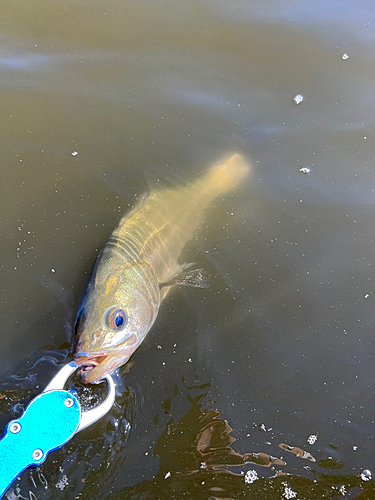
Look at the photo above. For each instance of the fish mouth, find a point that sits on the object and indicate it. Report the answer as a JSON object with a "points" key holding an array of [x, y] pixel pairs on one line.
{"points": [[88, 362], [92, 368]]}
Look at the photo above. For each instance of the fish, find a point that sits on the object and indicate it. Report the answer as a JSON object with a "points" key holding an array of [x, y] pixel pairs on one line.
{"points": [[137, 267]]}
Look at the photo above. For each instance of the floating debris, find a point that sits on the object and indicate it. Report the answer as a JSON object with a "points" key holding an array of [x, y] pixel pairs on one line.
{"points": [[355, 448], [251, 476], [298, 98], [75, 153], [312, 439], [345, 57], [168, 474], [367, 295], [366, 475], [304, 170], [53, 270], [342, 490]]}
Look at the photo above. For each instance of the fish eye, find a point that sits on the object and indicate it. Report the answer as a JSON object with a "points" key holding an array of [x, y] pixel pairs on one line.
{"points": [[116, 318]]}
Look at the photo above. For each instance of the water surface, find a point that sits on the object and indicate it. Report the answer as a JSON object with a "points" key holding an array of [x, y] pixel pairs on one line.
{"points": [[101, 101]]}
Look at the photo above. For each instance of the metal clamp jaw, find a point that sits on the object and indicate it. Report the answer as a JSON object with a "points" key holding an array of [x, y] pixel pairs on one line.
{"points": [[49, 421], [90, 416]]}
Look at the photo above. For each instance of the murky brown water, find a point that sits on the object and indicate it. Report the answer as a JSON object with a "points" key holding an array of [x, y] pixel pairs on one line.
{"points": [[281, 346]]}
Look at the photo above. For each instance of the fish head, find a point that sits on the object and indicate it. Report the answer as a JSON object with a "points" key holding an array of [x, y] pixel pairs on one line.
{"points": [[115, 315]]}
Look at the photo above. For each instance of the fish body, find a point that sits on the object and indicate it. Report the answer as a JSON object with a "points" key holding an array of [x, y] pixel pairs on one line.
{"points": [[131, 274]]}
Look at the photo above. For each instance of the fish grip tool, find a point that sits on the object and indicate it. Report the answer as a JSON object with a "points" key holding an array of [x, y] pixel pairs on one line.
{"points": [[49, 421]]}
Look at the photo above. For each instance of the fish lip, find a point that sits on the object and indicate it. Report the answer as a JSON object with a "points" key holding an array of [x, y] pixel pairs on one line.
{"points": [[91, 361], [88, 362], [93, 369], [83, 359], [108, 352]]}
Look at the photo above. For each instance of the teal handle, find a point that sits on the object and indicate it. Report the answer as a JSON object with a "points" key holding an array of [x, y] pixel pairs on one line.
{"points": [[49, 421]]}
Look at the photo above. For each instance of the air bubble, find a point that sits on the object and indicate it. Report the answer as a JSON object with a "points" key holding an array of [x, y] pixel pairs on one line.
{"points": [[366, 475]]}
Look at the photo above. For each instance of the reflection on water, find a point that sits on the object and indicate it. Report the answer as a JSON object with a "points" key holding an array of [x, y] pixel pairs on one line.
{"points": [[297, 451], [148, 93], [195, 452], [203, 435], [202, 440]]}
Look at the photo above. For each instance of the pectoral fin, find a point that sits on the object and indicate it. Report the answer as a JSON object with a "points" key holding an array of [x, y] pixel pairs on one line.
{"points": [[188, 277]]}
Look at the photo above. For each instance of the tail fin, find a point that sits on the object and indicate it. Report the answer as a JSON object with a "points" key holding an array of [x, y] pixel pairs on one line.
{"points": [[226, 175]]}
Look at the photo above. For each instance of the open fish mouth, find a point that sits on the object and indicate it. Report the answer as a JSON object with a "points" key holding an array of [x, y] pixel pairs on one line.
{"points": [[88, 361], [90, 370]]}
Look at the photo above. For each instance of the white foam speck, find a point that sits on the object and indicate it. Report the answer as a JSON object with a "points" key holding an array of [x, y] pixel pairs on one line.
{"points": [[251, 476], [62, 483], [312, 439], [305, 170], [288, 492]]}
